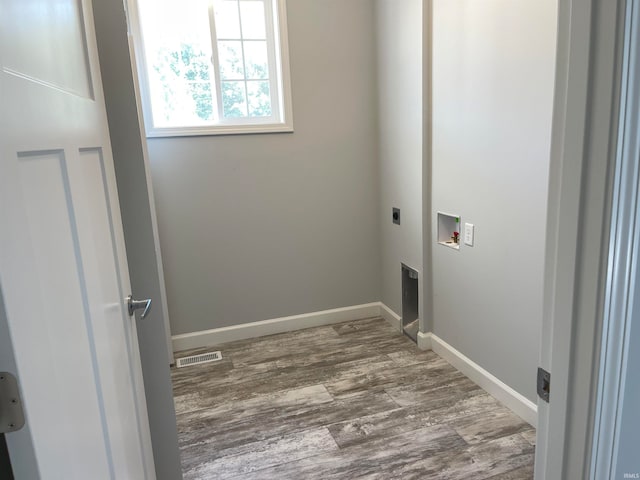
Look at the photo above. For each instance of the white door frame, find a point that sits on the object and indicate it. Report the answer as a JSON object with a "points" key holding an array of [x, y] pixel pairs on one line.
{"points": [[624, 237], [583, 156]]}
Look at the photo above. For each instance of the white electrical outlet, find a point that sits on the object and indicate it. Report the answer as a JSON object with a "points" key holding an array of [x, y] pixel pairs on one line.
{"points": [[468, 234]]}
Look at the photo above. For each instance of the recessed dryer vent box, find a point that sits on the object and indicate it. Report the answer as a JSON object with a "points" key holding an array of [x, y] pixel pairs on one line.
{"points": [[449, 230]]}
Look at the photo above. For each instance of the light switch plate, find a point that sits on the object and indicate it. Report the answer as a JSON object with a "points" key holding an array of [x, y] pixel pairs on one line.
{"points": [[468, 234]]}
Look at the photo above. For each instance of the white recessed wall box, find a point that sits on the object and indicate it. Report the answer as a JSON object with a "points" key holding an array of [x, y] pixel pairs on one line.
{"points": [[449, 230]]}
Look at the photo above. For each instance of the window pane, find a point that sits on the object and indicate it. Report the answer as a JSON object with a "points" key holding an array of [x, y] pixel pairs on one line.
{"points": [[230, 53], [182, 91], [234, 100], [259, 99], [178, 52], [201, 92], [256, 59], [227, 19], [253, 20], [224, 84]]}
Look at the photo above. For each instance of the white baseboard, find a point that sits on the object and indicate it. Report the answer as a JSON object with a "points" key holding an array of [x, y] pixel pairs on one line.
{"points": [[216, 336], [390, 316], [517, 403], [424, 341]]}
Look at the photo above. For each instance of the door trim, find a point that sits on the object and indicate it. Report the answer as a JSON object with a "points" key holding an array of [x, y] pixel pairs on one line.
{"points": [[624, 238], [583, 154]]}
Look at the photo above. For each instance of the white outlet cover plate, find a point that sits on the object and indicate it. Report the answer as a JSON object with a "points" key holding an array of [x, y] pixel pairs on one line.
{"points": [[468, 234]]}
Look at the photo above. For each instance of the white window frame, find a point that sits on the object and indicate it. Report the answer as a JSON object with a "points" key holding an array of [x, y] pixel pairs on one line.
{"points": [[279, 78]]}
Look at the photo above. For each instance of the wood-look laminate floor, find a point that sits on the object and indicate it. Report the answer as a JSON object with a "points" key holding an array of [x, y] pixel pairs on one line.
{"points": [[350, 401]]}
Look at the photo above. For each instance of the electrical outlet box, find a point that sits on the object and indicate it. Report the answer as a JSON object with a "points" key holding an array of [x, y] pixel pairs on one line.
{"points": [[395, 215]]}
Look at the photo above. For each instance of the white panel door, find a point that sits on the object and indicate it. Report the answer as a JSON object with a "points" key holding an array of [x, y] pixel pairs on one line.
{"points": [[63, 270]]}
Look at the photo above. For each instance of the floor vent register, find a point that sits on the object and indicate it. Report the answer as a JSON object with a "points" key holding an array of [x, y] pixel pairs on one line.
{"points": [[198, 359]]}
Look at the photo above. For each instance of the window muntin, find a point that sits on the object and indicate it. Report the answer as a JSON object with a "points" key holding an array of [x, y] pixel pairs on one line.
{"points": [[213, 66]]}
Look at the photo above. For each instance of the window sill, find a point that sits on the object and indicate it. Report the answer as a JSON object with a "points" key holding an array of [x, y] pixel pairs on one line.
{"points": [[219, 130]]}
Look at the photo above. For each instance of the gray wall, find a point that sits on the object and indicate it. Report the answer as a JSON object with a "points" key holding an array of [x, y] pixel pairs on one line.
{"points": [[493, 73], [262, 226], [143, 249], [399, 75]]}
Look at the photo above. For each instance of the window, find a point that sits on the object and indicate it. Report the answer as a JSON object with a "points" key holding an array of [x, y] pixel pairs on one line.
{"points": [[212, 66]]}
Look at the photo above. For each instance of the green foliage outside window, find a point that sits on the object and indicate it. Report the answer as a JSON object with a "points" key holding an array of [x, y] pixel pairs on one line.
{"points": [[185, 82]]}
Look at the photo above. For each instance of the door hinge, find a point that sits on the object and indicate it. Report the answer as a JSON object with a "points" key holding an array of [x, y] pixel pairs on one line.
{"points": [[544, 384], [11, 414]]}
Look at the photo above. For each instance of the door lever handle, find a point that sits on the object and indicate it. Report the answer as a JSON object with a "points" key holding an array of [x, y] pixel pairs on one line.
{"points": [[133, 305]]}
